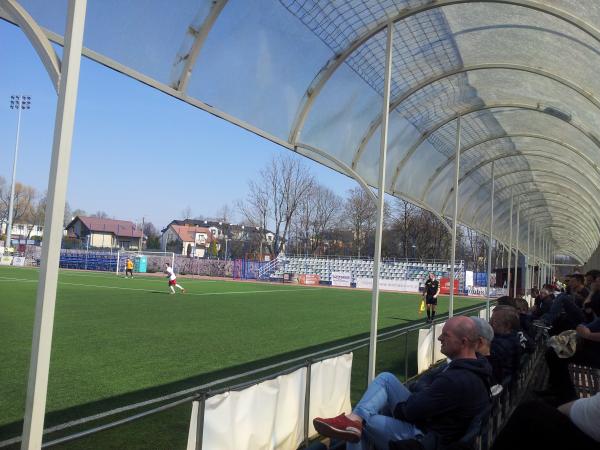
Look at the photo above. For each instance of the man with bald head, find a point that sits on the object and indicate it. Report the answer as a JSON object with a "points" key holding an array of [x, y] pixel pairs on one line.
{"points": [[442, 402]]}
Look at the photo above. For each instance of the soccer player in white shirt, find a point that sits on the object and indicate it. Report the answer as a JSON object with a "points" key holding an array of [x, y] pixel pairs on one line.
{"points": [[173, 280]]}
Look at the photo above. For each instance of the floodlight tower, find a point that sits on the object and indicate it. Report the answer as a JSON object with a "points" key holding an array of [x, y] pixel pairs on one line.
{"points": [[18, 102]]}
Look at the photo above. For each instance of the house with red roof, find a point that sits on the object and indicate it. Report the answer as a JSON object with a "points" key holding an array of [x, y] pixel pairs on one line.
{"points": [[190, 240], [105, 233]]}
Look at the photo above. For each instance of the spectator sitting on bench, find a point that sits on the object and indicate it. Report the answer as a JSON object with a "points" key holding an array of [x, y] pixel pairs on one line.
{"points": [[592, 277], [443, 402], [566, 311], [543, 303], [594, 286], [505, 349], [486, 336], [535, 424], [587, 353], [525, 319]]}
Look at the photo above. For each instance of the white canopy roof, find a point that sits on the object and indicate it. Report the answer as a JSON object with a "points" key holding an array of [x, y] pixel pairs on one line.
{"points": [[308, 75]]}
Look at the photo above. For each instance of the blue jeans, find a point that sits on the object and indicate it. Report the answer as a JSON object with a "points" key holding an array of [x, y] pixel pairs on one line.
{"points": [[376, 407]]}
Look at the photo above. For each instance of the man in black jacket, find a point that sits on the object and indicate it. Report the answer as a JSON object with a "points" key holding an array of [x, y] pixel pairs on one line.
{"points": [[443, 401]]}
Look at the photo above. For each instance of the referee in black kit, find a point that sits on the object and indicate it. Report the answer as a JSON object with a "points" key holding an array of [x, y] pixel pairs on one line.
{"points": [[432, 289]]}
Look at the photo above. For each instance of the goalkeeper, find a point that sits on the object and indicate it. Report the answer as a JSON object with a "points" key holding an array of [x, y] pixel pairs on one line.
{"points": [[129, 268]]}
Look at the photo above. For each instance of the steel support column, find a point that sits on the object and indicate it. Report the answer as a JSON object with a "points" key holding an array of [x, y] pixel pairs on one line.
{"points": [[534, 275], [380, 203], [454, 219], [542, 266], [489, 261], [510, 236], [527, 271], [37, 387], [517, 249]]}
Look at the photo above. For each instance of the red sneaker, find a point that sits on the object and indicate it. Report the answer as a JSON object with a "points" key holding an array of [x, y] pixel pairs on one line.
{"points": [[339, 427]]}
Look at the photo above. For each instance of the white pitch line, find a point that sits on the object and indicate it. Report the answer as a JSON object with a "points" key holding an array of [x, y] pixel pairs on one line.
{"points": [[198, 294], [69, 273]]}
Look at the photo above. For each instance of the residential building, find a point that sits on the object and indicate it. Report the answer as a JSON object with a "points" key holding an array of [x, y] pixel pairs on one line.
{"points": [[105, 233], [23, 231], [186, 239], [227, 236]]}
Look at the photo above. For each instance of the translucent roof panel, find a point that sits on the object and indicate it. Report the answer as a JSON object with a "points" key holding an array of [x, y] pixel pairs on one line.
{"points": [[309, 75]]}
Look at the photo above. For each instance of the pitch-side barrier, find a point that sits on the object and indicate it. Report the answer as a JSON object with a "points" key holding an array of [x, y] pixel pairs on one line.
{"points": [[304, 363]]}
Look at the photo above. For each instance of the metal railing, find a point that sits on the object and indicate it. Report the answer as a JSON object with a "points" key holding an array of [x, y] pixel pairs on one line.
{"points": [[207, 390]]}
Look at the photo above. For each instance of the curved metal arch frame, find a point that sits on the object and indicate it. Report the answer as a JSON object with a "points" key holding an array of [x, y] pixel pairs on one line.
{"points": [[557, 198], [37, 38], [572, 255], [550, 182], [327, 71], [502, 205], [553, 199], [488, 66], [445, 164], [530, 170], [566, 237], [577, 222], [566, 242], [545, 214], [523, 153], [582, 246], [354, 175], [342, 166], [201, 35], [474, 109], [532, 181]]}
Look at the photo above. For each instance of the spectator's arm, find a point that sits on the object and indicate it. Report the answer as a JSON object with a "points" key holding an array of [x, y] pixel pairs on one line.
{"points": [[586, 333], [566, 408], [442, 396]]}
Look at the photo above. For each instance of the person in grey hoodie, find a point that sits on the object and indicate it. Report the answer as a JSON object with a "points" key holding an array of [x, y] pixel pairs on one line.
{"points": [[443, 401]]}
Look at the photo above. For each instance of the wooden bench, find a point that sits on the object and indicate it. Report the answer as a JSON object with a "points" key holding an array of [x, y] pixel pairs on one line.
{"points": [[586, 380]]}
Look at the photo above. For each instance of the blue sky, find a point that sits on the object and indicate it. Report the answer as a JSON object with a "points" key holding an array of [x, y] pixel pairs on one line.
{"points": [[136, 151]]}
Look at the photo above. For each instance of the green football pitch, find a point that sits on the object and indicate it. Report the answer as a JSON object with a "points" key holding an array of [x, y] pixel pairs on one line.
{"points": [[119, 341]]}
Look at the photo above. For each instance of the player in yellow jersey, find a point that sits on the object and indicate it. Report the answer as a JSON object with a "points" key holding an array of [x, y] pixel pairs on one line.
{"points": [[129, 268]]}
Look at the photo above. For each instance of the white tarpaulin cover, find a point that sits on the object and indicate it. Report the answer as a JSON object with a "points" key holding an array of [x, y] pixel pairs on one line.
{"points": [[427, 345], [308, 75], [270, 415]]}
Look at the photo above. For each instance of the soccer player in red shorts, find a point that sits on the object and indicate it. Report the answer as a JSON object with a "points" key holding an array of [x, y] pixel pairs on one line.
{"points": [[173, 280]]}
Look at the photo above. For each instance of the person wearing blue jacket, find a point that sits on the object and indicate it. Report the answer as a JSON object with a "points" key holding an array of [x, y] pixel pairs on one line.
{"points": [[443, 401]]}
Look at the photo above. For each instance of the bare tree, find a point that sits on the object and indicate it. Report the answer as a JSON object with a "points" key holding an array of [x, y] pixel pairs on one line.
{"points": [[225, 213], [360, 212], [186, 213], [78, 212], [36, 216], [100, 214], [327, 206], [274, 198], [24, 200]]}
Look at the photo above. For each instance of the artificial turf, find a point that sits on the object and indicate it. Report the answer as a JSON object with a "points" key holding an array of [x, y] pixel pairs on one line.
{"points": [[118, 341]]}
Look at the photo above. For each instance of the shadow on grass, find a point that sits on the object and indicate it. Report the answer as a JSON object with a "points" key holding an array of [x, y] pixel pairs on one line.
{"points": [[397, 355]]}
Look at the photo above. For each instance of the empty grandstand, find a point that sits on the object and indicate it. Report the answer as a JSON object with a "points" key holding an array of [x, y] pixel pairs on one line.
{"points": [[411, 270]]}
